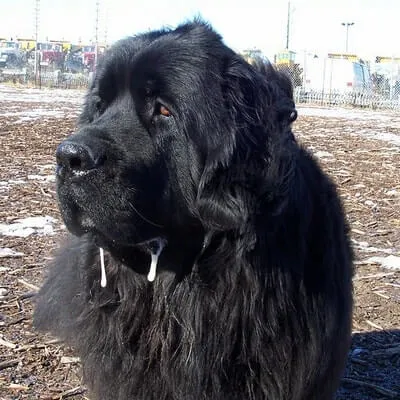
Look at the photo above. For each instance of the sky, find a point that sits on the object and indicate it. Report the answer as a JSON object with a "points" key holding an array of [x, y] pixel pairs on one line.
{"points": [[315, 27]]}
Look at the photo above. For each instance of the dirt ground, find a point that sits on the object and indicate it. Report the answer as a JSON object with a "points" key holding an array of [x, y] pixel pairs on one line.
{"points": [[353, 146]]}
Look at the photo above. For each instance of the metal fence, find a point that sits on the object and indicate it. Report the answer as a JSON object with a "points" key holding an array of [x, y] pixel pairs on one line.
{"points": [[61, 80], [51, 79], [323, 81], [345, 82]]}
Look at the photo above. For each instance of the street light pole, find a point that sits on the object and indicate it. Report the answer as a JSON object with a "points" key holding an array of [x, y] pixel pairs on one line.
{"points": [[347, 25], [288, 27]]}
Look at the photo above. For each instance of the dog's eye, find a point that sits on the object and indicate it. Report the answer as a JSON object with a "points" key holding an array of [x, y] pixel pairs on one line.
{"points": [[162, 110]]}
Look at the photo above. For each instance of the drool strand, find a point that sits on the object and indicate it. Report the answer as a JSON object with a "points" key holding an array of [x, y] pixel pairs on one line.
{"points": [[155, 246], [103, 281]]}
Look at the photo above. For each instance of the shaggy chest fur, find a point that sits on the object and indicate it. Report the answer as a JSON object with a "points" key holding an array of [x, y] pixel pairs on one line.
{"points": [[232, 337]]}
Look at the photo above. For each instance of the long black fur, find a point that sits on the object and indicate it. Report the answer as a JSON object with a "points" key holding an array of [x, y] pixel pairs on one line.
{"points": [[253, 294]]}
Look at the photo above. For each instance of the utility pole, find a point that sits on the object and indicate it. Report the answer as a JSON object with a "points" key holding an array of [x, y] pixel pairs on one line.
{"points": [[96, 54], [288, 26], [37, 14], [347, 25], [106, 5]]}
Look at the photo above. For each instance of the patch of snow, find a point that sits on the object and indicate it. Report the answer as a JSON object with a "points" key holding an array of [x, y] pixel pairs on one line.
{"points": [[4, 185], [359, 186], [377, 125], [389, 262], [30, 95], [47, 178], [28, 226], [12, 182], [393, 192], [47, 166], [370, 203], [384, 136], [346, 113], [323, 154], [6, 252], [365, 247], [33, 114]]}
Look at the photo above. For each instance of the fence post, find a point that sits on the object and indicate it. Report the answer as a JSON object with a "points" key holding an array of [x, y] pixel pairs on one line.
{"points": [[391, 88], [323, 81]]}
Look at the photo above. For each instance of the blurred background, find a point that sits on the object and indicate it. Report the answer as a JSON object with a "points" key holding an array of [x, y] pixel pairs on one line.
{"points": [[336, 52]]}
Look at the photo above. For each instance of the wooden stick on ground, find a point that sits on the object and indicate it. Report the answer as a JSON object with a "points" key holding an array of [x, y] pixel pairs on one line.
{"points": [[8, 364], [69, 393], [386, 392]]}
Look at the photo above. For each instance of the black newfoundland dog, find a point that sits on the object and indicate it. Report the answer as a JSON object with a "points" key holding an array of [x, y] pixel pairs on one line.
{"points": [[209, 255]]}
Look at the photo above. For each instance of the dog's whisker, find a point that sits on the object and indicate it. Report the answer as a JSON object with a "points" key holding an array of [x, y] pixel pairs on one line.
{"points": [[144, 218]]}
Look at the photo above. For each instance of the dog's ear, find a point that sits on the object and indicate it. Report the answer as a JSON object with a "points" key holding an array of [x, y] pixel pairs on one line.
{"points": [[280, 86], [259, 109], [220, 206]]}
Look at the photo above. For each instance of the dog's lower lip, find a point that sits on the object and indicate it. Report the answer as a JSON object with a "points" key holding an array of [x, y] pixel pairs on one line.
{"points": [[63, 174], [81, 172]]}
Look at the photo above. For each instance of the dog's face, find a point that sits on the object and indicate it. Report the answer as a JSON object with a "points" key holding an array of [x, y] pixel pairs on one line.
{"points": [[159, 124]]}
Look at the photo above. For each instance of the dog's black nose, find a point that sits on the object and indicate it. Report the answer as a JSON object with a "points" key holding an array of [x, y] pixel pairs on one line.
{"points": [[75, 157]]}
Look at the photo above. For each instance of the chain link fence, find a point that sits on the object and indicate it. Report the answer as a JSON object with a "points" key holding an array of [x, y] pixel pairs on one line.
{"points": [[345, 81], [336, 79], [50, 79]]}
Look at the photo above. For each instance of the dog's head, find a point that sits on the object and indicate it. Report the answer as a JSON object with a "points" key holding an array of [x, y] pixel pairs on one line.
{"points": [[176, 129]]}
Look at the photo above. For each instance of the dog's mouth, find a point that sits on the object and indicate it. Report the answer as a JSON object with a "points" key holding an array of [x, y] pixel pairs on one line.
{"points": [[79, 223], [83, 213]]}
